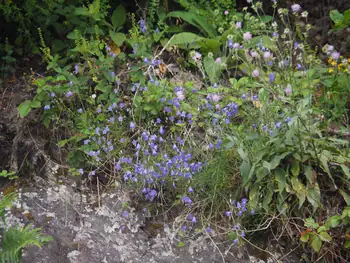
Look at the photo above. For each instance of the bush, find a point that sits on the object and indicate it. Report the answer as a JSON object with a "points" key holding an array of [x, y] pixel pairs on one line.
{"points": [[252, 142]]}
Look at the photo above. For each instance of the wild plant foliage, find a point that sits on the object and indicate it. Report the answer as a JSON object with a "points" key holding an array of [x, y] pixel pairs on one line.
{"points": [[258, 134]]}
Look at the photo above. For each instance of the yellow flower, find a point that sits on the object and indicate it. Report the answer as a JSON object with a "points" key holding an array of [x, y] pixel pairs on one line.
{"points": [[330, 60], [334, 63], [330, 70]]}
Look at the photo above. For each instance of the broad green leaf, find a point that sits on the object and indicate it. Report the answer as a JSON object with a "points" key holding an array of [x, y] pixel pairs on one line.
{"points": [[245, 169], [295, 168], [24, 108], [209, 45], [118, 38], [336, 16], [333, 221], [267, 165], [212, 69], [81, 11], [184, 39], [195, 20], [300, 190], [263, 96], [304, 238], [308, 173], [268, 197], [118, 16], [254, 196], [347, 244], [313, 195], [322, 229], [228, 143], [310, 223], [316, 243], [243, 155], [35, 103], [266, 19], [345, 170], [325, 236], [277, 159], [325, 158], [280, 177]]}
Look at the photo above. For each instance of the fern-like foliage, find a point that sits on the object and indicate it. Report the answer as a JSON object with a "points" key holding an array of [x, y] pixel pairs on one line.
{"points": [[6, 202], [15, 239]]}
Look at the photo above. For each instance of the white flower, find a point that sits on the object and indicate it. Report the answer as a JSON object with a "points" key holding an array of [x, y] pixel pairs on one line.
{"points": [[267, 55], [254, 54], [93, 96], [255, 73], [296, 8], [215, 97], [304, 14], [180, 95], [247, 36], [288, 90]]}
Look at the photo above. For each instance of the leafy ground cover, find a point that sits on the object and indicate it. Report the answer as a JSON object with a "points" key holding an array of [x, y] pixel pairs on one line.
{"points": [[258, 145]]}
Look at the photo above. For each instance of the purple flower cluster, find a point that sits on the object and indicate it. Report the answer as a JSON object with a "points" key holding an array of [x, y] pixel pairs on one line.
{"points": [[143, 26], [240, 207]]}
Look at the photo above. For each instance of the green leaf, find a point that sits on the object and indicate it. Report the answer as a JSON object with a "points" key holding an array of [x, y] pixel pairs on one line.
{"points": [[242, 154], [232, 235], [280, 177], [310, 223], [347, 244], [314, 196], [333, 221], [325, 158], [300, 190], [316, 243], [308, 173], [268, 197], [183, 39], [118, 16], [24, 108], [277, 159], [245, 171], [228, 143], [336, 16], [195, 20], [345, 170], [295, 169], [81, 11], [35, 103], [118, 38], [212, 69], [180, 244], [209, 45], [325, 236], [322, 229], [266, 19], [254, 196], [304, 238], [345, 196]]}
